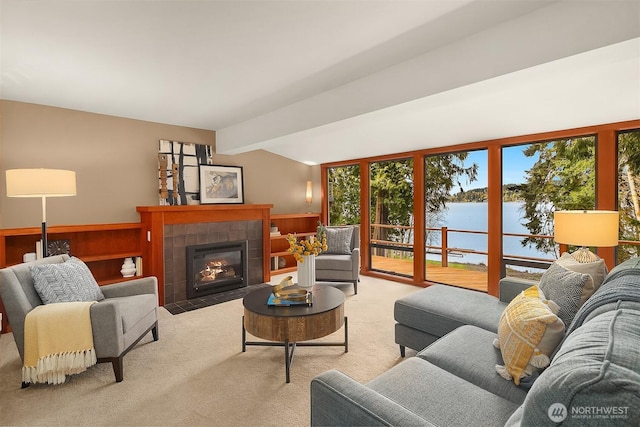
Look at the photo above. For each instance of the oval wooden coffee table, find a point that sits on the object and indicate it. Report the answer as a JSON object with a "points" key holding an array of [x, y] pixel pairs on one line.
{"points": [[288, 326]]}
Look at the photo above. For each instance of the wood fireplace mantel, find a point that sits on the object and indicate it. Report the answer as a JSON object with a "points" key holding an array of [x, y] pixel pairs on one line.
{"points": [[155, 218]]}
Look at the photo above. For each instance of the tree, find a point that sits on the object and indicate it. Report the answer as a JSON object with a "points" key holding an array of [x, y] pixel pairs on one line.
{"points": [[563, 178], [442, 174], [628, 188], [344, 195]]}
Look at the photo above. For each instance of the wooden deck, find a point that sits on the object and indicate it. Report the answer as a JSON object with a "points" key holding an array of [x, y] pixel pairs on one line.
{"points": [[450, 275]]}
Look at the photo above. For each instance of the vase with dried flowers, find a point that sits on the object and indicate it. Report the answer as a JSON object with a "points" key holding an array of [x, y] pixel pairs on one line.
{"points": [[304, 251]]}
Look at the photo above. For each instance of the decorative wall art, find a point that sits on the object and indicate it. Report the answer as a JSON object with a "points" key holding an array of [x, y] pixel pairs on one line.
{"points": [[178, 171], [221, 184]]}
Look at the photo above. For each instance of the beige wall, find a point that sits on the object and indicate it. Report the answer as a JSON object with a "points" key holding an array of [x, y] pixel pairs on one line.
{"points": [[115, 160]]}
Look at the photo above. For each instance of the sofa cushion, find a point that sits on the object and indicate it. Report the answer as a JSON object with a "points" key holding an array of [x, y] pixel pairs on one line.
{"points": [[439, 309], [594, 378], [467, 353], [565, 288], [338, 240], [334, 262], [621, 289], [427, 390], [65, 282], [528, 333]]}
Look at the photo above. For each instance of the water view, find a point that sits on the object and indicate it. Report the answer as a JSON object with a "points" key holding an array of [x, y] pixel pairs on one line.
{"points": [[473, 217]]}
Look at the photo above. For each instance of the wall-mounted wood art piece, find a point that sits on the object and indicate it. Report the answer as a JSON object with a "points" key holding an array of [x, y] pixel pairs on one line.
{"points": [[178, 163]]}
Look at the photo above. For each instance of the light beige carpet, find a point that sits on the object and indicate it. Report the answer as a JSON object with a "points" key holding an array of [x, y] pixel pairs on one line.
{"points": [[196, 374]]}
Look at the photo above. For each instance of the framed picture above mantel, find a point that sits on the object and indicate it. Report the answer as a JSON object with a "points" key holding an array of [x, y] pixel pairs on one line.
{"points": [[221, 184]]}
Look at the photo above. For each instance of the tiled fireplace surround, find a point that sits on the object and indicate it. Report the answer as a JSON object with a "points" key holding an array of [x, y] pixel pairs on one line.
{"points": [[178, 236], [170, 229]]}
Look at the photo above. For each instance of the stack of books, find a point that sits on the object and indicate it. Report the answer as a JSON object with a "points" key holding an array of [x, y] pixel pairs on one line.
{"points": [[274, 301]]}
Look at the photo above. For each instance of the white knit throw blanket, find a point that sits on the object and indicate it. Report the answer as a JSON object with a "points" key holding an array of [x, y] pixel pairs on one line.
{"points": [[58, 341]]}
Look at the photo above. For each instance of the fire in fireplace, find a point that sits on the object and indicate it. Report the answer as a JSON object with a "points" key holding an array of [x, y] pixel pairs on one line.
{"points": [[216, 267]]}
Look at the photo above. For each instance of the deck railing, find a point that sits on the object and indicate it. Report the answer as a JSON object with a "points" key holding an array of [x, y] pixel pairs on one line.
{"points": [[445, 250]]}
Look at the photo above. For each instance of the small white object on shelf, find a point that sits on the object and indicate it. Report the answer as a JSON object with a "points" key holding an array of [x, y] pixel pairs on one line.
{"points": [[128, 268]]}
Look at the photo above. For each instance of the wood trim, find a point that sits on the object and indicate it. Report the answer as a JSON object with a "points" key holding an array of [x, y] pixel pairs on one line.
{"points": [[295, 215], [494, 221], [607, 182], [266, 245], [25, 231], [365, 215], [324, 192], [419, 251]]}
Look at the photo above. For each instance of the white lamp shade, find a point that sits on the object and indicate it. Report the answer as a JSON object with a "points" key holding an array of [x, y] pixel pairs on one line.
{"points": [[40, 183], [586, 228]]}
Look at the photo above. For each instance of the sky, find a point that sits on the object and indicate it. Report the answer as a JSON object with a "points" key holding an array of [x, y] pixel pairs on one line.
{"points": [[514, 165]]}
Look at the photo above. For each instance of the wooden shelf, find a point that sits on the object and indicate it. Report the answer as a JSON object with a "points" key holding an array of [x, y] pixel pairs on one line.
{"points": [[103, 247], [117, 280], [302, 225], [120, 256], [284, 236]]}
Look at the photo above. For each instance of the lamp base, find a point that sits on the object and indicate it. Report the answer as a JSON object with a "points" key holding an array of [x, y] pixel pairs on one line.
{"points": [[584, 256], [45, 244]]}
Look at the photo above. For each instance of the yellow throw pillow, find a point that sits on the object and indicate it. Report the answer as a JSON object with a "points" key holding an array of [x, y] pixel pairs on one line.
{"points": [[529, 331]]}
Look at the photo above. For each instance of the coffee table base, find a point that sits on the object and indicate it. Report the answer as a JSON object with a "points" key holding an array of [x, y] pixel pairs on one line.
{"points": [[290, 347]]}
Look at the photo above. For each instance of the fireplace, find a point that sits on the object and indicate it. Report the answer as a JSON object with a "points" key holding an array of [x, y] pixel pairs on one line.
{"points": [[216, 267]]}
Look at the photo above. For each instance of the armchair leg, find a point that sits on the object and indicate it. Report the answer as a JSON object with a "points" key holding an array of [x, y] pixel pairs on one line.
{"points": [[154, 332], [401, 351], [355, 287], [118, 368]]}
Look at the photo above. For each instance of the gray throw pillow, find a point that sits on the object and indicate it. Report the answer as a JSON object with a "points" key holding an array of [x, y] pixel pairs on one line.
{"points": [[338, 240], [565, 288], [65, 282], [597, 270]]}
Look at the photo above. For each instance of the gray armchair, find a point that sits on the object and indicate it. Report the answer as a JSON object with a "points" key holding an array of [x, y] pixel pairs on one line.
{"points": [[343, 266], [128, 312]]}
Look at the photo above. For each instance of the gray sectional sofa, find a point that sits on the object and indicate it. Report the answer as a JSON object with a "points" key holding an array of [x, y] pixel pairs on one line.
{"points": [[593, 378]]}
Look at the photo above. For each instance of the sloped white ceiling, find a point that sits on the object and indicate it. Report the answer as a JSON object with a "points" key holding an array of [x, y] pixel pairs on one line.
{"points": [[323, 81]]}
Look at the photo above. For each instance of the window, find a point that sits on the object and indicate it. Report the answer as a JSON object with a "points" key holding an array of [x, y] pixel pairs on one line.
{"points": [[539, 179], [391, 208], [538, 175], [455, 194]]}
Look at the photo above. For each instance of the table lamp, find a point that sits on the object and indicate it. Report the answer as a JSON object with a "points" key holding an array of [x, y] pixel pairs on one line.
{"points": [[41, 183], [584, 229]]}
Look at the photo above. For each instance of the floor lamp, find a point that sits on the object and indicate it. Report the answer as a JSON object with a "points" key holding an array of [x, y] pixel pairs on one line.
{"points": [[584, 229], [41, 183]]}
